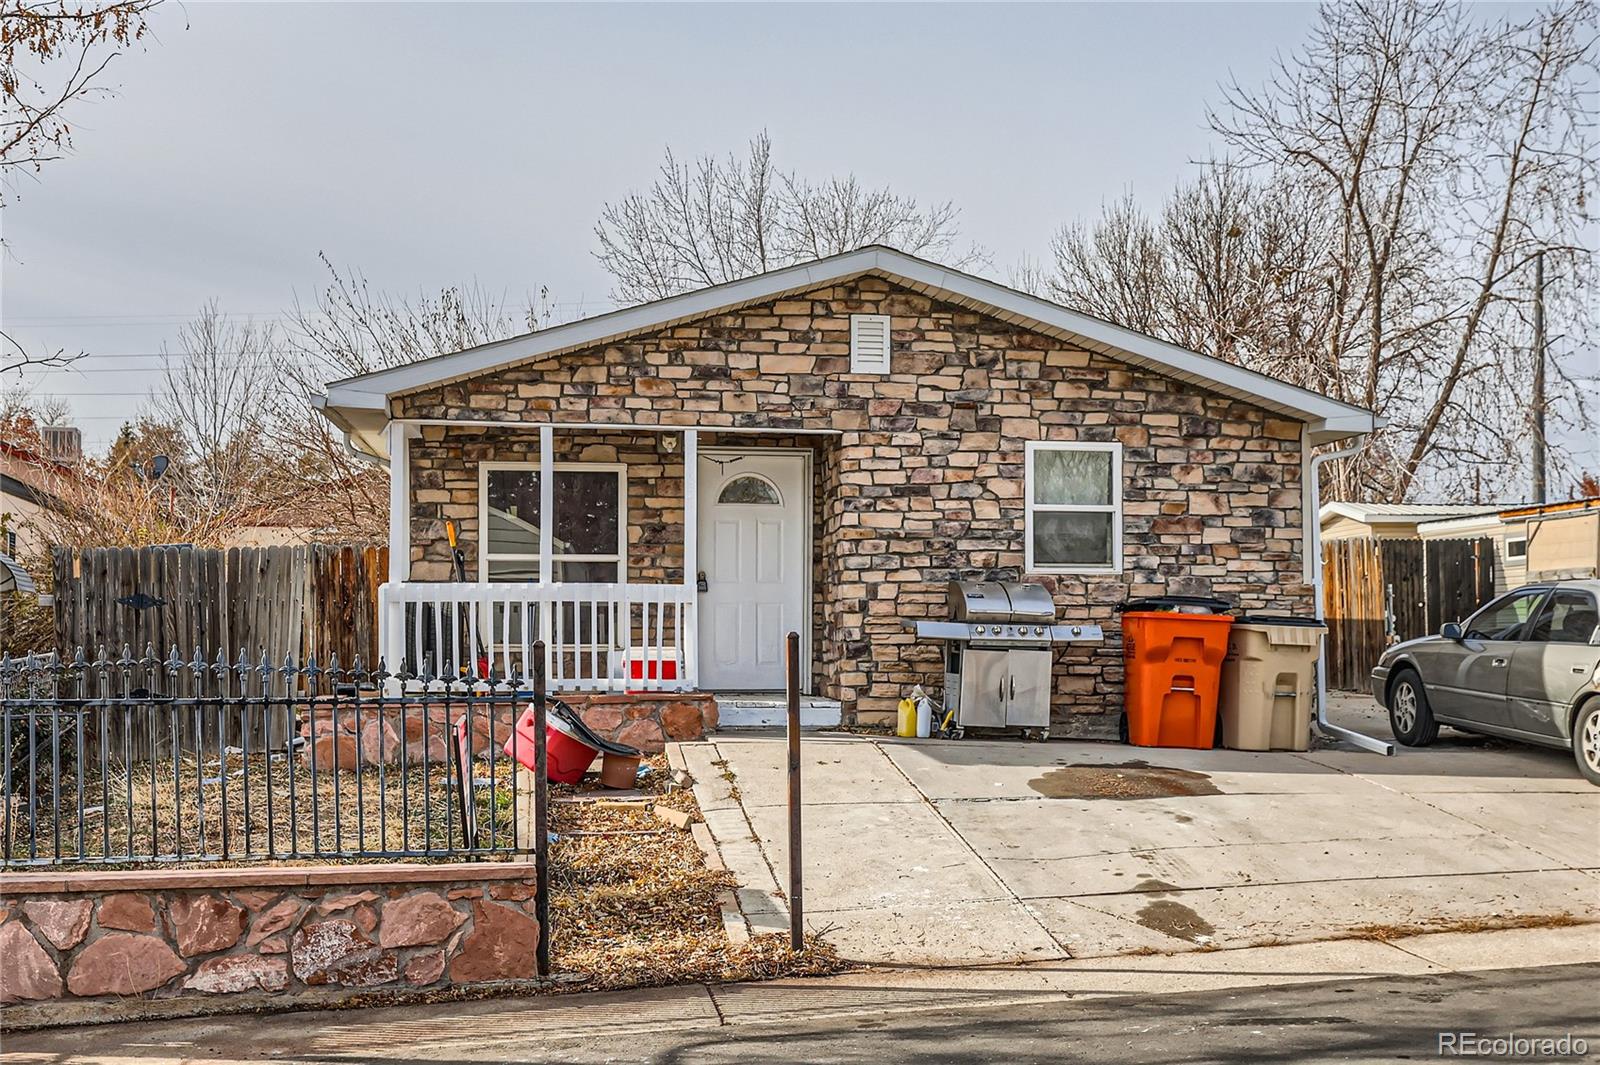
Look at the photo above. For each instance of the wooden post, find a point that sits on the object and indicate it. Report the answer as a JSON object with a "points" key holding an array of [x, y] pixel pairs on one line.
{"points": [[797, 939], [541, 816]]}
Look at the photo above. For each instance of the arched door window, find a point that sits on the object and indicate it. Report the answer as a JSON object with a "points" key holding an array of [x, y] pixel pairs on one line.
{"points": [[750, 488]]}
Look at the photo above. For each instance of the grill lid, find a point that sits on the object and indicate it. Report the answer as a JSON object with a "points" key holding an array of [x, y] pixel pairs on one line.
{"points": [[986, 601]]}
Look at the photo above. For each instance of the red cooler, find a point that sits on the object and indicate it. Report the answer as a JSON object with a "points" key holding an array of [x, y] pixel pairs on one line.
{"points": [[567, 757]]}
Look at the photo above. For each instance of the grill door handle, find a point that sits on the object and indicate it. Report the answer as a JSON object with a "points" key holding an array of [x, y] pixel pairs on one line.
{"points": [[1013, 686]]}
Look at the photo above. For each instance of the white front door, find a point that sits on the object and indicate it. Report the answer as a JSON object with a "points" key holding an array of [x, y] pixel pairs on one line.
{"points": [[754, 552]]}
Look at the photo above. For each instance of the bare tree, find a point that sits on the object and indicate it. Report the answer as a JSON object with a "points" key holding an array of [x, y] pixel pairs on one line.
{"points": [[1448, 153], [1371, 235], [349, 329], [14, 355], [50, 55], [219, 394], [718, 220]]}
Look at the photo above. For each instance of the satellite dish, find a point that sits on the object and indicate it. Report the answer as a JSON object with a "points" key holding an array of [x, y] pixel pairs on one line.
{"points": [[156, 467]]}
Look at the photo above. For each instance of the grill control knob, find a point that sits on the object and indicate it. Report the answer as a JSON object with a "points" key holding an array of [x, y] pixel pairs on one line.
{"points": [[1038, 630], [980, 630]]}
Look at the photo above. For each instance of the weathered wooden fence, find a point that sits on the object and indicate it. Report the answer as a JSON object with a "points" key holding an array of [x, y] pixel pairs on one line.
{"points": [[1460, 575], [1379, 592], [311, 600]]}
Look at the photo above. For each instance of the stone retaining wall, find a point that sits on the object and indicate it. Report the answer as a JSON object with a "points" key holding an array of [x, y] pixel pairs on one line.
{"points": [[347, 736], [100, 945], [647, 720]]}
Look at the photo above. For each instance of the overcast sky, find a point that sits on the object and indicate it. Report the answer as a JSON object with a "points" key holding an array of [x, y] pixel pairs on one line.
{"points": [[429, 145]]}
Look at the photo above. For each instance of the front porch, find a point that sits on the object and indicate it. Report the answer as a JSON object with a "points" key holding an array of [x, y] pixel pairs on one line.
{"points": [[630, 551]]}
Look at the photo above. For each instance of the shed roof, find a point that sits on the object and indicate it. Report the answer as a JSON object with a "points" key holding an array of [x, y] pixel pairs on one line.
{"points": [[360, 404], [1400, 512]]}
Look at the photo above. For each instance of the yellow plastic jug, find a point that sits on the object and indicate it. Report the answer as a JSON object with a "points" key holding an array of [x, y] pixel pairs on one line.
{"points": [[906, 724]]}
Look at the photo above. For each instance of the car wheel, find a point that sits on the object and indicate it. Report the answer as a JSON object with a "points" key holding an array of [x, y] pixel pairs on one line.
{"points": [[1586, 741], [1409, 716]]}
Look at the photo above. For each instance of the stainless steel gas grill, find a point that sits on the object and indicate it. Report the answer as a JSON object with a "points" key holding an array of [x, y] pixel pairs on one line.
{"points": [[999, 645]]}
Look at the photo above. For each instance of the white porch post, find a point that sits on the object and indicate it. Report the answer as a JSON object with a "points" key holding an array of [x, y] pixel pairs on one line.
{"points": [[547, 521], [392, 638], [689, 639]]}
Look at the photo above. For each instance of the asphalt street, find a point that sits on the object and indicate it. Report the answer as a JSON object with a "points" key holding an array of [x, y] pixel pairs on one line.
{"points": [[1362, 1020]]}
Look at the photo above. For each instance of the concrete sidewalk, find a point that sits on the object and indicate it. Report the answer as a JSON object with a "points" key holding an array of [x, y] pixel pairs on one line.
{"points": [[939, 853], [619, 1025]]}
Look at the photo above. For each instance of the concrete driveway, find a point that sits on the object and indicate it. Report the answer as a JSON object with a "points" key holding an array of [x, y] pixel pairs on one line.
{"points": [[955, 852]]}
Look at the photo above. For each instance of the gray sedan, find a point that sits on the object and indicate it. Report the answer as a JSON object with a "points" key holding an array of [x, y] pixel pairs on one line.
{"points": [[1525, 667]]}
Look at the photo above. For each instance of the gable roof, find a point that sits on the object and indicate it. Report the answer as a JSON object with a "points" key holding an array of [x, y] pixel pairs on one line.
{"points": [[360, 404]]}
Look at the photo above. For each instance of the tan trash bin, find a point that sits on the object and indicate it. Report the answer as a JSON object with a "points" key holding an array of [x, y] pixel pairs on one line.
{"points": [[1268, 682]]}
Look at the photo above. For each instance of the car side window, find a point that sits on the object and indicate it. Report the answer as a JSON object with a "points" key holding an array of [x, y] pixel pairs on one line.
{"points": [[1569, 617], [1503, 618]]}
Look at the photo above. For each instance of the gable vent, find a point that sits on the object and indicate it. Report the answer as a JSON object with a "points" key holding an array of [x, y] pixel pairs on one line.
{"points": [[869, 343]]}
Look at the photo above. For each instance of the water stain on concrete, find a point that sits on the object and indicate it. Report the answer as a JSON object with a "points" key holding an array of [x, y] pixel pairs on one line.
{"points": [[1149, 885], [1122, 780], [1176, 920]]}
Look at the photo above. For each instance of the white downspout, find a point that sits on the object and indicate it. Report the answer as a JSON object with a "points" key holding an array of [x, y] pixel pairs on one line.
{"points": [[1314, 526]]}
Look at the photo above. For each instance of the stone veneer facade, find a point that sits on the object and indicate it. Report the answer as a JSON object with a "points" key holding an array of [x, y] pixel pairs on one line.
{"points": [[110, 945], [923, 482]]}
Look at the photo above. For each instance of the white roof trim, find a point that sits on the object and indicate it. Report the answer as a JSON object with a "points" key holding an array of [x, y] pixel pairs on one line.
{"points": [[1402, 512], [357, 399]]}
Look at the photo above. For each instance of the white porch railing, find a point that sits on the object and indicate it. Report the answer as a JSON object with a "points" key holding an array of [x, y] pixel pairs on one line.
{"points": [[598, 637]]}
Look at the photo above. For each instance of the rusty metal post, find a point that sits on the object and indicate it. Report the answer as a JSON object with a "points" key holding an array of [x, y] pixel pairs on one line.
{"points": [[541, 815], [796, 903]]}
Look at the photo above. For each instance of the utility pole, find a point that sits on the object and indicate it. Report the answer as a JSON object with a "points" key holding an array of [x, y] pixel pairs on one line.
{"points": [[1538, 379]]}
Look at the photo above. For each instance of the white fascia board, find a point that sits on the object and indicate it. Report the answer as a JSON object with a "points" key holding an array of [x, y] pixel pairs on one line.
{"points": [[601, 328], [1341, 509], [1328, 419], [1236, 380]]}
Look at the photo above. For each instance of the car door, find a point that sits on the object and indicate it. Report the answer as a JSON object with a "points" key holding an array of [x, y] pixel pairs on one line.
{"points": [[1470, 682], [1555, 658]]}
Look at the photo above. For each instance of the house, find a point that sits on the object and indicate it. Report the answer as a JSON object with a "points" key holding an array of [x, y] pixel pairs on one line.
{"points": [[663, 492], [1555, 540], [1392, 521], [26, 477], [1532, 542]]}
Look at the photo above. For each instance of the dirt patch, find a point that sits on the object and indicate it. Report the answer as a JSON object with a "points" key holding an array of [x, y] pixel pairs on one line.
{"points": [[633, 904], [1122, 780], [1176, 920], [1383, 933]]}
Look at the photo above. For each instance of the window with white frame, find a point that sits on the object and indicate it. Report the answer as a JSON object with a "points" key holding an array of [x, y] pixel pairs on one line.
{"points": [[1074, 507], [1516, 547], [588, 529], [588, 534]]}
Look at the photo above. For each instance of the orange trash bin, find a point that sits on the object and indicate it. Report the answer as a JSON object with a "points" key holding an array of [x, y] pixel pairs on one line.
{"points": [[1172, 651]]}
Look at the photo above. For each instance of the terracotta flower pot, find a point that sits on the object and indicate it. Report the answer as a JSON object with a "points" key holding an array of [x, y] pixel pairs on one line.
{"points": [[619, 770]]}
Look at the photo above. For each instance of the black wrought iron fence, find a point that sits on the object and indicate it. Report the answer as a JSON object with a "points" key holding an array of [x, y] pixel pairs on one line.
{"points": [[136, 760]]}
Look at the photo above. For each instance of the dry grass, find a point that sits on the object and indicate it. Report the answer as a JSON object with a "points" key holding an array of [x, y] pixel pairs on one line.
{"points": [[200, 813], [641, 910]]}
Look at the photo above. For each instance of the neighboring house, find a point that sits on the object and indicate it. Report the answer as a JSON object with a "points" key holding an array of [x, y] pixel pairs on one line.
{"points": [[1556, 540], [1392, 521], [1534, 542], [664, 491], [25, 475]]}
